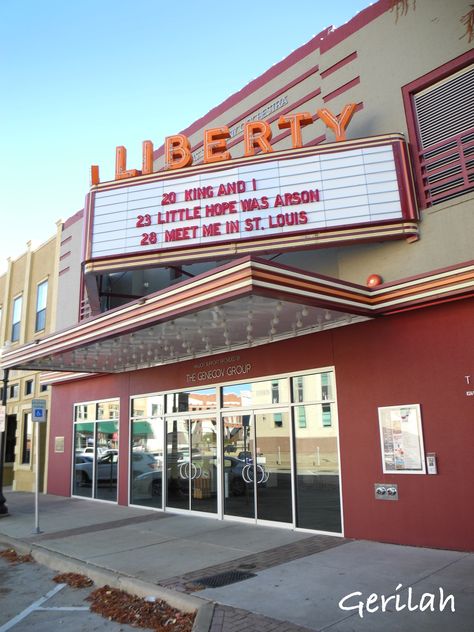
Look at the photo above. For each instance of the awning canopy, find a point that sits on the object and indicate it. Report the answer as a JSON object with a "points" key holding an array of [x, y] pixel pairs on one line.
{"points": [[246, 303]]}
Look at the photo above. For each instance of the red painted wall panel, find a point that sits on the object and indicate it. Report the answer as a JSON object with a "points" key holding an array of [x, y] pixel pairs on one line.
{"points": [[420, 357]]}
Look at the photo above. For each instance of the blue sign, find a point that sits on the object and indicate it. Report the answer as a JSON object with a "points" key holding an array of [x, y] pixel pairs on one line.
{"points": [[38, 410]]}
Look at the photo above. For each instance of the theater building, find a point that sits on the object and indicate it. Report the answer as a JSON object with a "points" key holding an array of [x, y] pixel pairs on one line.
{"points": [[274, 310]]}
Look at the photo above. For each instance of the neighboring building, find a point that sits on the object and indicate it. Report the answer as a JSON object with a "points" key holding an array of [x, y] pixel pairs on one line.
{"points": [[28, 294], [285, 337], [39, 294]]}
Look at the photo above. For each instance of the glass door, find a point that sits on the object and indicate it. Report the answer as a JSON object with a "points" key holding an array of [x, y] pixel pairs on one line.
{"points": [[177, 463], [238, 460], [257, 465], [203, 464], [192, 463]]}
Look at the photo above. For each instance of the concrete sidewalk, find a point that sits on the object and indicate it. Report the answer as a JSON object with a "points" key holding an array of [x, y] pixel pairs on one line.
{"points": [[295, 580]]}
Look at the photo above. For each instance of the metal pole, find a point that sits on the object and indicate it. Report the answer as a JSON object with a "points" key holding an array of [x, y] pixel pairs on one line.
{"points": [[37, 460], [3, 507]]}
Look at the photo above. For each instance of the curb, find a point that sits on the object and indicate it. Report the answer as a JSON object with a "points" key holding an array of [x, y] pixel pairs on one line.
{"points": [[63, 563]]}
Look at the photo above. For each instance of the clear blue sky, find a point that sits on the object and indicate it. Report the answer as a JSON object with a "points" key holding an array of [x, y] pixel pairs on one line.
{"points": [[80, 77]]}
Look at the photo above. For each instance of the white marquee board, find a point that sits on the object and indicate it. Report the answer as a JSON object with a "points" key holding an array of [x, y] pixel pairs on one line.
{"points": [[353, 187]]}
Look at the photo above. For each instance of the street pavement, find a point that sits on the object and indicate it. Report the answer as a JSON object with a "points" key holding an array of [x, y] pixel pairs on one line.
{"points": [[297, 581], [31, 600]]}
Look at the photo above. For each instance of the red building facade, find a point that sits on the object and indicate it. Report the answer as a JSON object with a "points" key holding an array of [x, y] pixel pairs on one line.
{"points": [[282, 335]]}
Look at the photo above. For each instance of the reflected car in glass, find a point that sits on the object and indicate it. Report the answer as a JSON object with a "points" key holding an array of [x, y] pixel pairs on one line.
{"points": [[106, 468]]}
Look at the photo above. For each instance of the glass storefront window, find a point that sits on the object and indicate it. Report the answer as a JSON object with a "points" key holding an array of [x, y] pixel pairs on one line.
{"points": [[106, 465], [146, 460], [277, 460], [96, 454], [255, 394], [83, 459], [83, 412], [107, 410], [317, 469], [152, 406], [192, 401], [315, 387]]}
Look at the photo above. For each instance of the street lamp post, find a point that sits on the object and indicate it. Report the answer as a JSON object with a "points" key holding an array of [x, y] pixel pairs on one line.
{"points": [[3, 507]]}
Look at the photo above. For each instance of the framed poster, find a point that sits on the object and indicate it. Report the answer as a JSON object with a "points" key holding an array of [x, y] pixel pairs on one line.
{"points": [[401, 439]]}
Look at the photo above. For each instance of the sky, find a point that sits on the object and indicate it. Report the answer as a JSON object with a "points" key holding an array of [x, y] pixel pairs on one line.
{"points": [[80, 77]]}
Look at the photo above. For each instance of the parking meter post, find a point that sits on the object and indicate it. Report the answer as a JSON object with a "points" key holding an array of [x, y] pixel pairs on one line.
{"points": [[3, 506]]}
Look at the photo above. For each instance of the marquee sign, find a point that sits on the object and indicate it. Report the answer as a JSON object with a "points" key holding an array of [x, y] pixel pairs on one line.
{"points": [[331, 187]]}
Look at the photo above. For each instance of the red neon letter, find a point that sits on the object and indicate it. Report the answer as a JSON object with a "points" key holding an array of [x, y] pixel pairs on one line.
{"points": [[215, 145], [147, 159], [257, 134], [177, 152], [121, 165], [295, 122], [338, 123]]}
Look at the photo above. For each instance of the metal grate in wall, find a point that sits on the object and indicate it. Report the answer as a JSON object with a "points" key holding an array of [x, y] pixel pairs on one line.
{"points": [[445, 118], [446, 108]]}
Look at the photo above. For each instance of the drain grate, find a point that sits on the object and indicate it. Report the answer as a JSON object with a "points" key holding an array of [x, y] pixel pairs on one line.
{"points": [[224, 579]]}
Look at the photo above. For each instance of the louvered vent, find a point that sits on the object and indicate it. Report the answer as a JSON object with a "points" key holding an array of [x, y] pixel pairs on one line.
{"points": [[445, 117], [446, 108]]}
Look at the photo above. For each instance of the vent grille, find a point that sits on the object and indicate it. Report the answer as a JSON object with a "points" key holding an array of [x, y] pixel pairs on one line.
{"points": [[445, 119], [446, 108]]}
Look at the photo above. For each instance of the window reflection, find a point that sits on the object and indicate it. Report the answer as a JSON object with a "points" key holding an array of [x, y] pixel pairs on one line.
{"points": [[189, 401], [255, 394], [96, 441], [152, 406], [146, 462], [276, 443], [317, 468], [314, 387]]}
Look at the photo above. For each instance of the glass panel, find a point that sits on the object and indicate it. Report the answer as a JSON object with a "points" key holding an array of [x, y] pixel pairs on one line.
{"points": [[239, 498], [148, 406], [83, 459], [255, 394], [189, 401], [16, 318], [85, 412], [108, 410], [106, 464], [315, 387], [317, 470], [203, 468], [41, 298], [146, 469], [178, 463], [273, 466]]}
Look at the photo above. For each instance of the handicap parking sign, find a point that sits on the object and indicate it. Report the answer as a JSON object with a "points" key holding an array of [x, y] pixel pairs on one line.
{"points": [[38, 409]]}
